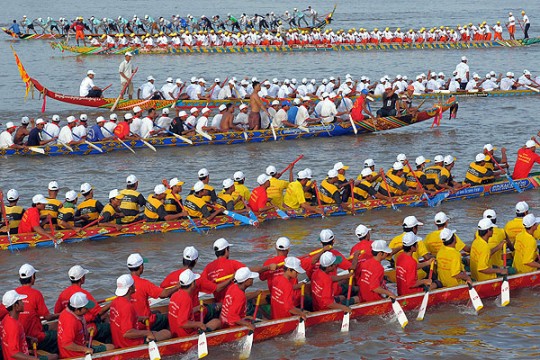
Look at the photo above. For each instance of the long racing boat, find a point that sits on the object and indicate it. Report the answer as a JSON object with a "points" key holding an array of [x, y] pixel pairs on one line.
{"points": [[34, 240]]}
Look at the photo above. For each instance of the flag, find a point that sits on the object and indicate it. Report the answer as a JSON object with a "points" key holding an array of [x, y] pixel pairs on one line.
{"points": [[24, 75]]}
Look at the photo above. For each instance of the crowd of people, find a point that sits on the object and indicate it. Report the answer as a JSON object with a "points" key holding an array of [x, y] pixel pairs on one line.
{"points": [[88, 326]]}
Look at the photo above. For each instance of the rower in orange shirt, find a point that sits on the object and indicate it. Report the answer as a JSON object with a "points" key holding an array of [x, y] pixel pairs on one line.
{"points": [[362, 247], [283, 301], [234, 311], [372, 285], [526, 158], [407, 266]]}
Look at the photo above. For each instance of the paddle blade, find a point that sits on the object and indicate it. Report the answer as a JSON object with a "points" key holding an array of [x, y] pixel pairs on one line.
{"points": [[202, 346], [345, 323], [400, 314], [153, 351], [241, 218], [273, 132], [245, 135], [475, 299], [300, 336], [514, 184], [505, 292], [184, 139], [150, 146], [436, 200], [282, 214], [37, 150], [423, 307], [246, 349], [353, 125], [88, 357]]}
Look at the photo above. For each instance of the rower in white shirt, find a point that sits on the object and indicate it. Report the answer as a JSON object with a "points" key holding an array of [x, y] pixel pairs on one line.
{"points": [[474, 83], [163, 122], [216, 89], [52, 129], [509, 82], [202, 122], [328, 109], [489, 84], [66, 136], [168, 88], [108, 128], [80, 131], [147, 124], [432, 85]]}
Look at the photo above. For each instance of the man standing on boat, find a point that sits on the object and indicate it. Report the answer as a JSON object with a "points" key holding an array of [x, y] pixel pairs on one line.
{"points": [[511, 26], [126, 71], [462, 70], [526, 24], [256, 104]]}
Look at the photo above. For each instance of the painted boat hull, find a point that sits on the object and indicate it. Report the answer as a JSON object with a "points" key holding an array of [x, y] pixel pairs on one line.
{"points": [[33, 240]]}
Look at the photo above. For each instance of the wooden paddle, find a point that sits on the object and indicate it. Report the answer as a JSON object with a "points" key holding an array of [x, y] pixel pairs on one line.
{"points": [[383, 175], [124, 89], [400, 314], [153, 350], [346, 316], [146, 143], [352, 199], [37, 150], [89, 143], [278, 175], [475, 298], [6, 221], [89, 356], [53, 234], [317, 195], [423, 306], [505, 287], [246, 350], [350, 117], [166, 183], [508, 177], [424, 194], [180, 137], [119, 140], [202, 345]]}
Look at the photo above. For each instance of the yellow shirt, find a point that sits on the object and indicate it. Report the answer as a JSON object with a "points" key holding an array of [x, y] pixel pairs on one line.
{"points": [[294, 196], [449, 265], [243, 191], [434, 243], [275, 191], [497, 257], [480, 260], [514, 227], [525, 252], [421, 250]]}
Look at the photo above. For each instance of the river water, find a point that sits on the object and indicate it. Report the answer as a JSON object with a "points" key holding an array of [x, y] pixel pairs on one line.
{"points": [[449, 331]]}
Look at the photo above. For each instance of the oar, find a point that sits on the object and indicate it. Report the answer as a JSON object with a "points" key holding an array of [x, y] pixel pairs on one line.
{"points": [[223, 278], [318, 198], [532, 88], [352, 199], [37, 150], [282, 214], [146, 143], [400, 314], [388, 189], [423, 307], [505, 287], [34, 348], [243, 219], [120, 140], [60, 141], [153, 350], [289, 166], [346, 316], [202, 345], [272, 127], [204, 134], [350, 117], [301, 329], [123, 89], [89, 143], [184, 139], [475, 299], [508, 177], [166, 183], [251, 213], [246, 350], [6, 221], [70, 234], [51, 226], [424, 195], [89, 356]]}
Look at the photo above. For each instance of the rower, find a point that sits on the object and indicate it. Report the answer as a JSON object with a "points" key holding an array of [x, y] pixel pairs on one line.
{"points": [[148, 91], [124, 321], [77, 277], [202, 122], [481, 267], [526, 157], [294, 196], [449, 162], [66, 134], [36, 136], [277, 186], [66, 214], [87, 88], [22, 131], [154, 209], [240, 122], [390, 102], [342, 183], [478, 173], [362, 247], [410, 224], [284, 301], [418, 174], [204, 177], [80, 131], [450, 268], [515, 226], [179, 126], [489, 150], [111, 212], [196, 205], [233, 312], [89, 209], [433, 240], [181, 316], [281, 118], [144, 289], [526, 254], [225, 198], [14, 212], [498, 235], [132, 200], [30, 221], [407, 268], [174, 196], [241, 191], [258, 200], [371, 282], [147, 124], [329, 193], [96, 132], [437, 175], [395, 183], [122, 130], [163, 123], [6, 137], [283, 244], [35, 310], [361, 107]]}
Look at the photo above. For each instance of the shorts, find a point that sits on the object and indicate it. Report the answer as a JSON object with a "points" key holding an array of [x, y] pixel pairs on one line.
{"points": [[79, 34], [161, 322], [129, 89], [49, 343], [254, 120]]}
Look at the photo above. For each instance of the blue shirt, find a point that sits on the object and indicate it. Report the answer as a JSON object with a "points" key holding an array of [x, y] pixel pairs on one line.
{"points": [[291, 114], [95, 134], [15, 28]]}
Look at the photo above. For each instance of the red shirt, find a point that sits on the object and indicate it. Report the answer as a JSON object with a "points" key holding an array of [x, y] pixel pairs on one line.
{"points": [[144, 289], [365, 246], [34, 308], [357, 109], [371, 277], [121, 130], [202, 285], [63, 301], [70, 330], [234, 306], [123, 318], [270, 275], [13, 338], [180, 311], [29, 219], [406, 275], [3, 312], [258, 198], [321, 290], [524, 163], [344, 265], [282, 297], [219, 268]]}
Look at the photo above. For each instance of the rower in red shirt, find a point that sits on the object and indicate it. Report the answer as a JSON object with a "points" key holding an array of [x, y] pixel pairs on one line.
{"points": [[526, 158], [372, 285], [34, 310], [258, 201], [322, 289], [145, 289], [181, 315], [235, 300], [362, 247], [30, 221], [407, 266], [124, 320], [283, 303], [73, 333], [283, 245], [77, 276]]}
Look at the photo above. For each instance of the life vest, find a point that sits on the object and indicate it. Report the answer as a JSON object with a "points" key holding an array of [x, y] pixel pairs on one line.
{"points": [[360, 192], [51, 209], [434, 174], [66, 214], [411, 179], [194, 206], [129, 205], [14, 215], [89, 207], [170, 203], [225, 201], [151, 208], [476, 174], [326, 195], [394, 182]]}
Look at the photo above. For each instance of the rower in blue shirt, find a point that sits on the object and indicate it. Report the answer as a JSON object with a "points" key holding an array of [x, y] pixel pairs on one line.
{"points": [[293, 110], [15, 28], [95, 133]]}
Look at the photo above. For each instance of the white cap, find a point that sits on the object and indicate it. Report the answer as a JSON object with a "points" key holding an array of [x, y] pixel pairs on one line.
{"points": [[275, 80], [529, 221], [137, 109], [297, 101], [114, 193], [86, 188], [227, 183], [71, 195], [361, 231], [222, 107], [77, 272], [26, 271], [421, 160], [175, 181], [159, 189], [489, 214], [446, 234], [190, 253], [202, 80], [411, 221], [366, 172], [283, 243], [221, 244], [369, 163], [448, 159], [380, 245], [193, 110], [463, 58], [339, 166], [275, 102], [134, 260], [169, 79], [182, 113], [90, 72], [327, 259], [438, 159], [522, 207], [325, 95], [295, 264], [441, 218], [99, 119], [526, 72], [410, 239], [509, 73], [128, 116], [397, 166], [83, 117], [332, 173], [12, 195], [199, 185], [11, 297], [261, 179], [271, 170], [239, 176], [480, 157], [55, 118], [243, 274], [123, 283], [203, 173], [205, 110], [326, 235], [187, 277], [129, 53], [53, 185], [242, 107], [401, 157], [486, 224], [131, 179], [149, 78], [530, 144], [165, 111], [25, 120], [39, 199], [178, 81], [302, 175], [40, 121], [80, 300]]}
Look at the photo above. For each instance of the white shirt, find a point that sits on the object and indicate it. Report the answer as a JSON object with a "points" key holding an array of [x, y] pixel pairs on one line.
{"points": [[453, 86], [86, 85], [147, 90], [216, 120], [79, 132], [196, 90], [433, 85], [301, 116], [525, 19], [147, 125], [65, 136], [168, 88], [125, 68], [471, 85], [507, 83], [489, 85], [273, 91], [135, 126], [6, 141], [379, 89], [462, 70], [328, 110], [191, 121], [164, 122], [225, 93], [241, 119], [524, 81], [202, 122], [280, 116], [215, 92], [109, 125], [302, 90], [52, 129], [419, 87]]}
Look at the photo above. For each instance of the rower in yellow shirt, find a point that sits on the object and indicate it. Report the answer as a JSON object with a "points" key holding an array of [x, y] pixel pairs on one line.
{"points": [[277, 186], [433, 240], [450, 269], [515, 226], [526, 251], [481, 267], [498, 236], [294, 196], [240, 190]]}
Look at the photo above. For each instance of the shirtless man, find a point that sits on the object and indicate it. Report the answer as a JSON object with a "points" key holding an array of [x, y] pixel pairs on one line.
{"points": [[256, 106], [227, 120], [22, 131]]}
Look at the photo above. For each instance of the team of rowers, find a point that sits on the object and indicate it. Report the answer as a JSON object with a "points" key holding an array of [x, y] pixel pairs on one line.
{"points": [[87, 326], [302, 193]]}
